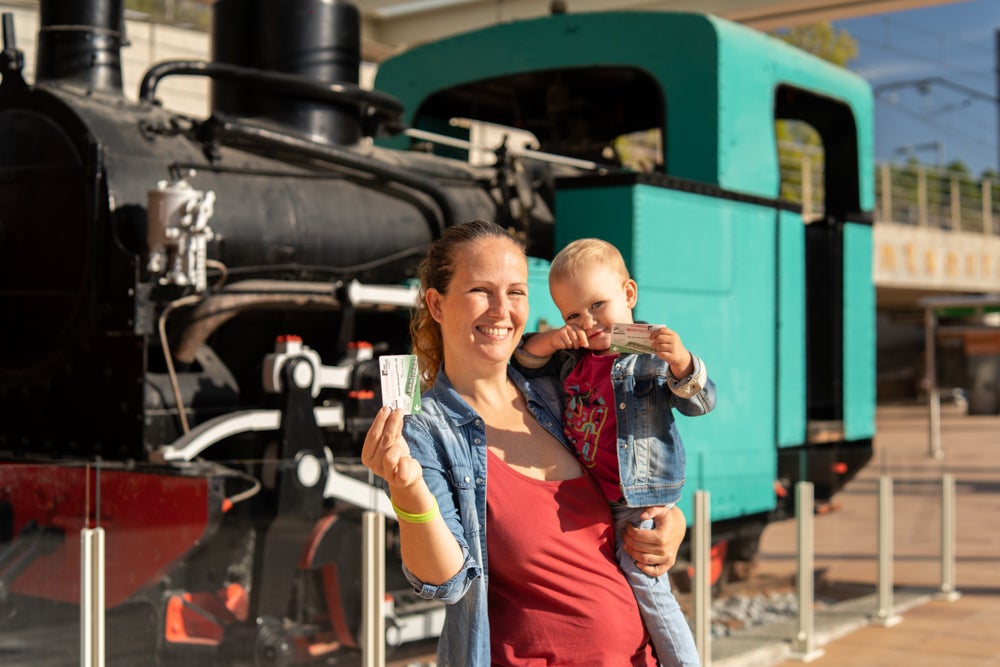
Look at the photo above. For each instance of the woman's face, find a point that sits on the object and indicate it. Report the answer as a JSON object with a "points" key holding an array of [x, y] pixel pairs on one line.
{"points": [[484, 311]]}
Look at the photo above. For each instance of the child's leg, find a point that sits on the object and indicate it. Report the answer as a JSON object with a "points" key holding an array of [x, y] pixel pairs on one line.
{"points": [[665, 622]]}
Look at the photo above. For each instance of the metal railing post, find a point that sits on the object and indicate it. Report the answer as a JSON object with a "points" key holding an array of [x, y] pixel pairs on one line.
{"points": [[703, 576], [92, 628], [885, 616], [807, 188], [921, 196], [955, 195], [931, 385], [92, 597], [987, 207], [947, 591], [373, 589], [805, 640], [885, 172]]}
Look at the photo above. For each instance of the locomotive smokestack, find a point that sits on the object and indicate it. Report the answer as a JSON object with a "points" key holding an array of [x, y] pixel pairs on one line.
{"points": [[318, 39], [79, 42]]}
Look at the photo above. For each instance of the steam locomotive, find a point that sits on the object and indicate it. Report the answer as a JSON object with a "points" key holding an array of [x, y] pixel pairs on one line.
{"points": [[193, 308]]}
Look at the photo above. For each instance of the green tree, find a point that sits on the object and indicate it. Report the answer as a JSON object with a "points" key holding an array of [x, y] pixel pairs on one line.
{"points": [[823, 41]]}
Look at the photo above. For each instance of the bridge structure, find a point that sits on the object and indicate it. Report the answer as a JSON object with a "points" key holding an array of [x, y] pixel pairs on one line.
{"points": [[936, 270], [936, 232], [389, 25]]}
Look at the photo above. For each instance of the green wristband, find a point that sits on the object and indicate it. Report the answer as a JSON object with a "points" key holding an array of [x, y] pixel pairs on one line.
{"points": [[423, 517]]}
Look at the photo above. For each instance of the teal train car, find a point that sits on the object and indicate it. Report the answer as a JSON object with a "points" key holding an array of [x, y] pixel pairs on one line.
{"points": [[779, 305]]}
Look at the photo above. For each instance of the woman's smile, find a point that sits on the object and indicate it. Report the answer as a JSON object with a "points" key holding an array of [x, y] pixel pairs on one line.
{"points": [[495, 332]]}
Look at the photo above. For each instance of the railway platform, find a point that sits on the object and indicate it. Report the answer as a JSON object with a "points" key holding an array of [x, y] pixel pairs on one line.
{"points": [[930, 630]]}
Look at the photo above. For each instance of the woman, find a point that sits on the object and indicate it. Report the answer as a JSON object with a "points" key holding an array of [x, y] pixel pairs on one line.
{"points": [[555, 594]]}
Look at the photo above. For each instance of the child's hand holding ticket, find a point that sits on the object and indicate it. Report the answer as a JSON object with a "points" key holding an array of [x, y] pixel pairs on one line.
{"points": [[633, 338], [400, 382]]}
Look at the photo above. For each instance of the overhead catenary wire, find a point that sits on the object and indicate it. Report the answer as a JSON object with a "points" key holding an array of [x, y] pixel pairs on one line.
{"points": [[978, 141], [938, 61]]}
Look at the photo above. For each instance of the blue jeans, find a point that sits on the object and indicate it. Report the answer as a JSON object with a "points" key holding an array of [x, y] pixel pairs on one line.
{"points": [[668, 628]]}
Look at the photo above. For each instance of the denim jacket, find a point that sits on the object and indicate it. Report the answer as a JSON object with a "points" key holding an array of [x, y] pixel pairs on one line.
{"points": [[650, 450], [448, 438]]}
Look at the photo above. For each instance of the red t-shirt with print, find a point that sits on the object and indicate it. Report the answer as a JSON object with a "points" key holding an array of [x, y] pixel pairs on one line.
{"points": [[590, 422]]}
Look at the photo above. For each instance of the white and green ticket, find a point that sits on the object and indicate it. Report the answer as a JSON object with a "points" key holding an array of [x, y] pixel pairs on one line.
{"points": [[400, 382], [633, 338]]}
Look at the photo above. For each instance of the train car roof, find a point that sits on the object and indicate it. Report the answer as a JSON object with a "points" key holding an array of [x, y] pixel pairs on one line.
{"points": [[715, 87]]}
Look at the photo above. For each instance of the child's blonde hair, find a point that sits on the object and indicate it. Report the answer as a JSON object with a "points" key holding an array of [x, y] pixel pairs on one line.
{"points": [[581, 255]]}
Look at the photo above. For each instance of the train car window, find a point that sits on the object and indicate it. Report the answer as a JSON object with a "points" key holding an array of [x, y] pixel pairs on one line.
{"points": [[834, 124], [821, 134], [579, 112], [640, 151]]}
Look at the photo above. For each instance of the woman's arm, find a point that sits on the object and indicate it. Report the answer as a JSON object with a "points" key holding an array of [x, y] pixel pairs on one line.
{"points": [[428, 548], [655, 550]]}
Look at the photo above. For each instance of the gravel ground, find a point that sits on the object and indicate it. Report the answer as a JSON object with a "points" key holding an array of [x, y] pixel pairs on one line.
{"points": [[740, 611]]}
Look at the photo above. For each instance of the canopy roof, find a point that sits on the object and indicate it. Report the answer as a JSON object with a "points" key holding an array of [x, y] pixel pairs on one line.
{"points": [[392, 25]]}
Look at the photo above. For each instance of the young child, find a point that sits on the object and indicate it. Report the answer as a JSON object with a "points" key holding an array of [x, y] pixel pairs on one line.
{"points": [[618, 412]]}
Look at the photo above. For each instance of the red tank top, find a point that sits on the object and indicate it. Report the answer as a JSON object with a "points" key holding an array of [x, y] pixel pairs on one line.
{"points": [[556, 595]]}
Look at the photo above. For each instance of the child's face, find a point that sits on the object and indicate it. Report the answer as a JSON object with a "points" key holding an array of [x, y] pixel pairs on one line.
{"points": [[593, 300]]}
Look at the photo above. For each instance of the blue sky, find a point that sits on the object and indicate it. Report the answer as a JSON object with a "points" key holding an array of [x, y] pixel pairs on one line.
{"points": [[951, 119]]}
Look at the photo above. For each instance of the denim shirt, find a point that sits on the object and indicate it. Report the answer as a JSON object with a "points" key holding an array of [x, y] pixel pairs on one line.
{"points": [[651, 459], [448, 438]]}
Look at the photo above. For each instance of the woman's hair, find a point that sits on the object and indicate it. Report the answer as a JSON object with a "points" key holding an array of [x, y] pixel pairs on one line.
{"points": [[435, 272], [581, 255]]}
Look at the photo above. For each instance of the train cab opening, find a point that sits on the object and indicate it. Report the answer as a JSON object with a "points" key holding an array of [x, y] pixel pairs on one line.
{"points": [[581, 112], [827, 203], [821, 174]]}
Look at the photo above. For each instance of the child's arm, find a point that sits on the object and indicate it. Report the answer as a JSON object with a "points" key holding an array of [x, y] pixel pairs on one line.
{"points": [[688, 380], [694, 394], [670, 348], [538, 348]]}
